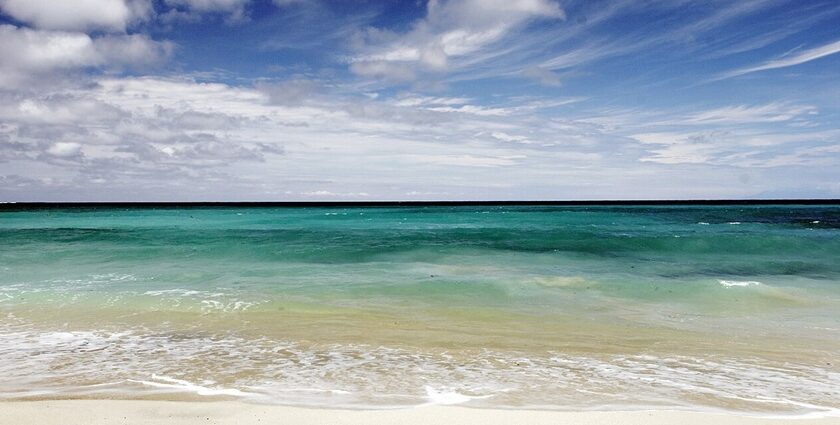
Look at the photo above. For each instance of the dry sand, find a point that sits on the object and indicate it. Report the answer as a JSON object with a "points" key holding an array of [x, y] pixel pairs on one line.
{"points": [[94, 412]]}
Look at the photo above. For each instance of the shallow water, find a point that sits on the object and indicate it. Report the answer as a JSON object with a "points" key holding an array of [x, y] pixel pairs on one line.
{"points": [[698, 307]]}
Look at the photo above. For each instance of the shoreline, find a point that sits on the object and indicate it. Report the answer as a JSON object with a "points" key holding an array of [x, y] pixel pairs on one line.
{"points": [[147, 412]]}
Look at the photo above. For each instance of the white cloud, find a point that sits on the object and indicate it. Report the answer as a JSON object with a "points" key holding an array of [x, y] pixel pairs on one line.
{"points": [[791, 60], [451, 104], [36, 50], [59, 110], [328, 194], [742, 114], [29, 53], [81, 15], [428, 100], [385, 70], [740, 147], [64, 149], [292, 92], [783, 113], [178, 133], [473, 109], [209, 5], [466, 160], [675, 148], [131, 50], [500, 135], [235, 9], [544, 76], [451, 29]]}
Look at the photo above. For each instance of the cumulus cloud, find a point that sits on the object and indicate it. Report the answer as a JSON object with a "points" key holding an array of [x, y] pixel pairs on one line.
{"points": [[450, 29], [29, 53], [78, 15]]}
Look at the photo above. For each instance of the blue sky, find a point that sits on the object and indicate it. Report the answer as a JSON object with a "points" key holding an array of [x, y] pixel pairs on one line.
{"points": [[421, 100]]}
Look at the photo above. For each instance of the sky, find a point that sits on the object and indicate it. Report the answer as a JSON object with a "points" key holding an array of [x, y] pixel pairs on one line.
{"points": [[295, 100]]}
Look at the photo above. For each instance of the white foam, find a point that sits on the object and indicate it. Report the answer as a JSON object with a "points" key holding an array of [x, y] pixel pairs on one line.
{"points": [[113, 277], [176, 291], [735, 222], [54, 338], [447, 397], [186, 386], [355, 375], [208, 306], [734, 283], [75, 340], [93, 279], [307, 390], [206, 301]]}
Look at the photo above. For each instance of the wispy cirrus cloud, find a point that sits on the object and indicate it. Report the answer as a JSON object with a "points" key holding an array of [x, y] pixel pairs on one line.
{"points": [[450, 29], [751, 114], [787, 61]]}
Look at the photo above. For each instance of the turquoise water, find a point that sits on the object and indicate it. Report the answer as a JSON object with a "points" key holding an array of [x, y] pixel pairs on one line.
{"points": [[697, 307]]}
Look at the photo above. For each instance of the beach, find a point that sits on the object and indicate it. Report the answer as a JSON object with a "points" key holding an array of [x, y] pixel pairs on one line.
{"points": [[96, 412]]}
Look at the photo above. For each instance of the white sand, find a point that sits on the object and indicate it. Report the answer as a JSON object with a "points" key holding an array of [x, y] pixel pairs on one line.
{"points": [[94, 412]]}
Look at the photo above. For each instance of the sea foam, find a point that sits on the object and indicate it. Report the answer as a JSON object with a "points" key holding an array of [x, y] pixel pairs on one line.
{"points": [[144, 362], [738, 283], [186, 386]]}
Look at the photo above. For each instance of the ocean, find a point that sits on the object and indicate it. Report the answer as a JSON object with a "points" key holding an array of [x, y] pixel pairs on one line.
{"points": [[695, 307]]}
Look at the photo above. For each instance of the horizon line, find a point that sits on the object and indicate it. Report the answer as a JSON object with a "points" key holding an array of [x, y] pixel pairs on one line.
{"points": [[6, 205]]}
